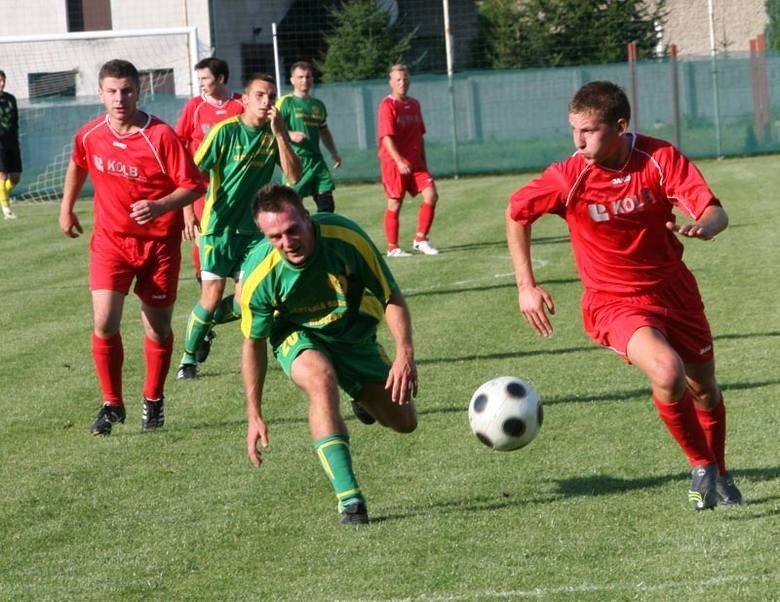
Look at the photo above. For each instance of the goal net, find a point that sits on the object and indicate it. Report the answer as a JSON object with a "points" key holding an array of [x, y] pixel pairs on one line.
{"points": [[55, 81]]}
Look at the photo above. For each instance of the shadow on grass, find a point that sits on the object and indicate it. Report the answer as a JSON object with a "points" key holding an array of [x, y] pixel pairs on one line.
{"points": [[507, 355], [544, 240], [480, 289]]}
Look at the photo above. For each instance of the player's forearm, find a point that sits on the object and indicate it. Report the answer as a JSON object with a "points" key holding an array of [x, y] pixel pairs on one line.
{"points": [[327, 140], [288, 160], [71, 189], [518, 238], [389, 146], [254, 363], [399, 323], [181, 197], [714, 220]]}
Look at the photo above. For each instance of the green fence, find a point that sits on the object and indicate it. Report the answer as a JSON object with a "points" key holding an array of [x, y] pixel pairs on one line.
{"points": [[487, 121]]}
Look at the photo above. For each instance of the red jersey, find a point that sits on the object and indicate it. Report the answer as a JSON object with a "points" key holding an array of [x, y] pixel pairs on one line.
{"points": [[198, 116], [617, 218], [402, 119], [146, 164]]}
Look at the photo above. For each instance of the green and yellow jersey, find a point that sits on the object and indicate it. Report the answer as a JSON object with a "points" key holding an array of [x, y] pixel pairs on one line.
{"points": [[307, 115]]}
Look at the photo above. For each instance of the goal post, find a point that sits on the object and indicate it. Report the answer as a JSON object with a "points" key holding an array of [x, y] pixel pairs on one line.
{"points": [[55, 80]]}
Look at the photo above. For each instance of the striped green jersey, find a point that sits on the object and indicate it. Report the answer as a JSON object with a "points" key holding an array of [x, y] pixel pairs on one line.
{"points": [[344, 285]]}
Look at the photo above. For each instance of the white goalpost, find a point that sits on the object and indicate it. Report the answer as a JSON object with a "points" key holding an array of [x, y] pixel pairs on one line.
{"points": [[55, 80]]}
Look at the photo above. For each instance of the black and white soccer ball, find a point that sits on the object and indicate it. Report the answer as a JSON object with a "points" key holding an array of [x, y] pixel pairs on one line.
{"points": [[506, 413]]}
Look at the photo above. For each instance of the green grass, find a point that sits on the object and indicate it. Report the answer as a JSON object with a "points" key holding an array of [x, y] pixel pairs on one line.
{"points": [[594, 509]]}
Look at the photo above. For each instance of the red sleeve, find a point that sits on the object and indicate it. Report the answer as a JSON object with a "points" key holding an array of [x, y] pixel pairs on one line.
{"points": [[544, 194], [386, 120], [684, 184], [179, 164], [185, 126]]}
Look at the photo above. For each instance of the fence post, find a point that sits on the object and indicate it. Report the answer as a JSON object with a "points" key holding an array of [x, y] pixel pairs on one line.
{"points": [[675, 94], [632, 55]]}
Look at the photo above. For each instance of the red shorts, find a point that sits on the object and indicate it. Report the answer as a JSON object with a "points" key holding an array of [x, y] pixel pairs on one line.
{"points": [[115, 260], [676, 312], [397, 185]]}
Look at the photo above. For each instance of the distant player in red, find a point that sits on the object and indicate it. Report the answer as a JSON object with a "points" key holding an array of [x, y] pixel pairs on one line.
{"points": [[214, 104], [142, 176], [616, 194], [400, 131]]}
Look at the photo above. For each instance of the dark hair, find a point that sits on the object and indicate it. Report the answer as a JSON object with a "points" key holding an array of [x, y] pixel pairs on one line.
{"points": [[263, 77], [305, 65], [274, 198], [604, 99], [2, 73], [119, 68], [216, 66]]}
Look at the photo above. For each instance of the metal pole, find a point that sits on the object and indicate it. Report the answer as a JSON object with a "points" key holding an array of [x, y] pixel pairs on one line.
{"points": [[675, 95], [276, 60], [715, 95], [450, 87]]}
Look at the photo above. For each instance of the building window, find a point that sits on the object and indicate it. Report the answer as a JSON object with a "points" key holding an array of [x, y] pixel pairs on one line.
{"points": [[89, 15], [52, 84]]}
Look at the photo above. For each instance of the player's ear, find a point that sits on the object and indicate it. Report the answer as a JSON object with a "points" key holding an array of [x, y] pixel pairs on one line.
{"points": [[622, 125]]}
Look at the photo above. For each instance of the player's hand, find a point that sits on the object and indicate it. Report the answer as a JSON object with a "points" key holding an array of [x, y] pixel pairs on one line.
{"points": [[336, 161], [257, 432], [191, 229], [144, 211], [533, 301], [690, 230], [297, 137], [402, 379], [403, 167], [70, 225], [275, 119]]}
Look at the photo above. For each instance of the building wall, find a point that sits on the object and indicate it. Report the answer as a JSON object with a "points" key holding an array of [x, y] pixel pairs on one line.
{"points": [[735, 23]]}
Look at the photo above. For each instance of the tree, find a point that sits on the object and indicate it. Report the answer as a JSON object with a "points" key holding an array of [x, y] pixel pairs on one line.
{"points": [[362, 45], [772, 28], [555, 33]]}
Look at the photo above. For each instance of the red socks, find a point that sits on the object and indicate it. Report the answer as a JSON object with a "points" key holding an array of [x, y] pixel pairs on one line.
{"points": [[683, 424], [713, 423], [158, 361], [109, 355], [425, 218], [391, 228]]}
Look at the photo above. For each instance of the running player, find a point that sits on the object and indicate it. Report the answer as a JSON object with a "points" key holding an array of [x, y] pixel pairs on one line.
{"points": [[214, 104], [403, 165], [10, 152], [240, 154], [616, 194], [305, 118], [142, 176], [316, 288]]}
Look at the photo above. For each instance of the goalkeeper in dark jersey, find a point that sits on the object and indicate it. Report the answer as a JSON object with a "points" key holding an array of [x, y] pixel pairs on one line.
{"points": [[316, 288]]}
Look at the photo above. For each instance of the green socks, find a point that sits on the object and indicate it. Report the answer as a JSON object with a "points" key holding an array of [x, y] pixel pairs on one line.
{"points": [[333, 453], [199, 323]]}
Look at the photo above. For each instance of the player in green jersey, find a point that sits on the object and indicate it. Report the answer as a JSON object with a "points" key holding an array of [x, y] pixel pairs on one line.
{"points": [[305, 118], [240, 154], [316, 288]]}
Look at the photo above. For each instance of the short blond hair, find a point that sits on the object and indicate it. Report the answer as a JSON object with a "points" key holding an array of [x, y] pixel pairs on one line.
{"points": [[398, 67]]}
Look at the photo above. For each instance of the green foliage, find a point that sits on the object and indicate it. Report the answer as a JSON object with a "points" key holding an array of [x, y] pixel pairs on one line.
{"points": [[594, 510], [773, 26], [555, 33], [362, 45]]}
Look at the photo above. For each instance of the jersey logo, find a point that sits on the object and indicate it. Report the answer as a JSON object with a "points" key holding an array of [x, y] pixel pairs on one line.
{"points": [[98, 163], [621, 180], [603, 212]]}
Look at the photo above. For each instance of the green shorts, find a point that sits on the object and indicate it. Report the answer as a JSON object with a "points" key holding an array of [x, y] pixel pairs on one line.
{"points": [[315, 177], [355, 363], [223, 253]]}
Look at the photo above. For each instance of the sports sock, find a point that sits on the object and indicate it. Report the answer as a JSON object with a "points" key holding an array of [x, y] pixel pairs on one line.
{"points": [[713, 423], [158, 359], [9, 185], [109, 355], [333, 453], [391, 228], [199, 323], [227, 310], [424, 220], [4, 202], [681, 422]]}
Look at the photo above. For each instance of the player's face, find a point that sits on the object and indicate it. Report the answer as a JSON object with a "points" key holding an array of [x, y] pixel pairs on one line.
{"points": [[259, 98], [302, 80], [289, 231], [120, 97], [208, 83], [597, 141], [2, 84], [399, 83]]}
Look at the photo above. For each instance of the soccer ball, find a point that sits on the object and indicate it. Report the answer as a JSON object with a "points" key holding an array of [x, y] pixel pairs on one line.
{"points": [[505, 413]]}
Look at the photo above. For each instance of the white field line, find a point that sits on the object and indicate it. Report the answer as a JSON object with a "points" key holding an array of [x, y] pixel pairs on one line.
{"points": [[537, 263], [640, 587]]}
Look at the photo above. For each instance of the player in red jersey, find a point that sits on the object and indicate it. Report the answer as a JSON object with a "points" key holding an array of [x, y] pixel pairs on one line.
{"points": [[616, 194], [142, 176], [214, 104], [402, 162]]}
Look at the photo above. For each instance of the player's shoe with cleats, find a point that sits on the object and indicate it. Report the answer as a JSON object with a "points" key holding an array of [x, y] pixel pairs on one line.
{"points": [[424, 247], [106, 418], [728, 493], [362, 413], [354, 514], [187, 372], [397, 252], [153, 416], [205, 347], [703, 494], [8, 214]]}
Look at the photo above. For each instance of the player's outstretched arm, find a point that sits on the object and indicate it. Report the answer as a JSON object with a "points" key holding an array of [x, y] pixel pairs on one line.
{"points": [[712, 222], [534, 301], [402, 379], [145, 210], [288, 160], [254, 363], [75, 177]]}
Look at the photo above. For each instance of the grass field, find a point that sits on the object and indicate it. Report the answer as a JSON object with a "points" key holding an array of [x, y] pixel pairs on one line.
{"points": [[594, 509]]}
